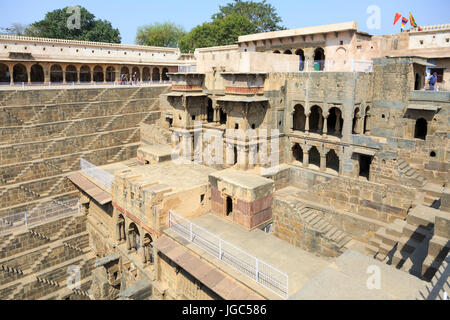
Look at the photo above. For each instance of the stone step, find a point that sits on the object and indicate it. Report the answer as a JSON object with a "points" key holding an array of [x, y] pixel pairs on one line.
{"points": [[408, 245], [386, 238], [422, 216], [417, 233], [372, 250], [396, 228]]}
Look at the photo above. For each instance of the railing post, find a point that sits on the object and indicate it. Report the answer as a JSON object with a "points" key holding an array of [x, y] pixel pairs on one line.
{"points": [[190, 230], [26, 220], [220, 249], [257, 270]]}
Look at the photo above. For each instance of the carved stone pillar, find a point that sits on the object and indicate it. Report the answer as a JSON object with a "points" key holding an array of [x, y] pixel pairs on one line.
{"points": [[118, 233], [129, 242], [325, 126], [305, 158], [323, 162], [338, 121], [307, 124]]}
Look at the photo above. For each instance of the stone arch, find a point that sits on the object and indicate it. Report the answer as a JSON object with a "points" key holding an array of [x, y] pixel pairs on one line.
{"points": [[299, 118], [356, 117], [121, 234], [165, 77], [210, 111], [367, 121], [301, 54], [421, 129], [20, 73], [287, 51], [148, 249], [85, 74], [316, 119], [56, 73], [229, 206], [133, 239], [335, 121], [319, 59], [332, 161], [98, 74], [137, 72], [5, 74], [110, 74], [155, 75], [146, 74], [297, 153], [37, 73], [314, 156], [277, 52], [125, 71], [71, 74]]}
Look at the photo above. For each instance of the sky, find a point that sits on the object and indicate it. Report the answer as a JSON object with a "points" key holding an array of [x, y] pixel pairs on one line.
{"points": [[127, 16]]}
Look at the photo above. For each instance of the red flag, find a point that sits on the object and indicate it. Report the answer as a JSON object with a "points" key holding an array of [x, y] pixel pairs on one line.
{"points": [[397, 17]]}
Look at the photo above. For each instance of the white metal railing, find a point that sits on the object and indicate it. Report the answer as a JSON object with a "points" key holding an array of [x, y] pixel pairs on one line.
{"points": [[96, 173], [350, 65], [258, 270], [187, 69], [27, 219]]}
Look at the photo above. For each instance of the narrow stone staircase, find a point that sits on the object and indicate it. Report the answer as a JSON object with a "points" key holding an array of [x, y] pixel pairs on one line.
{"points": [[409, 175]]}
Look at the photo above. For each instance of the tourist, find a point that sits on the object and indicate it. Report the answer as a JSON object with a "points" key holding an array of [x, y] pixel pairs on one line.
{"points": [[433, 80]]}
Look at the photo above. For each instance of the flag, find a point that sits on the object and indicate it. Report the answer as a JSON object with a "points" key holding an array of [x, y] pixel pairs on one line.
{"points": [[413, 22], [404, 22], [397, 17]]}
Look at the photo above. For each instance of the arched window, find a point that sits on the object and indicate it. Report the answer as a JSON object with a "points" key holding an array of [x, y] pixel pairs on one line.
{"points": [[314, 157], [20, 73], [288, 52], [210, 111], [277, 52], [367, 121], [355, 125], [301, 54], [110, 74], [121, 236], [146, 74], [125, 71], [71, 74], [85, 74], [319, 59], [98, 74], [134, 242], [148, 249], [297, 153], [56, 73], [335, 122], [155, 75], [5, 75], [299, 119], [229, 206], [333, 161], [37, 74], [136, 72], [421, 129], [316, 120], [165, 71]]}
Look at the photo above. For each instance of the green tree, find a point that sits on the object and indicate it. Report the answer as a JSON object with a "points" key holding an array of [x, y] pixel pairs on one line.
{"points": [[160, 34], [221, 31], [16, 29], [55, 25], [262, 15]]}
